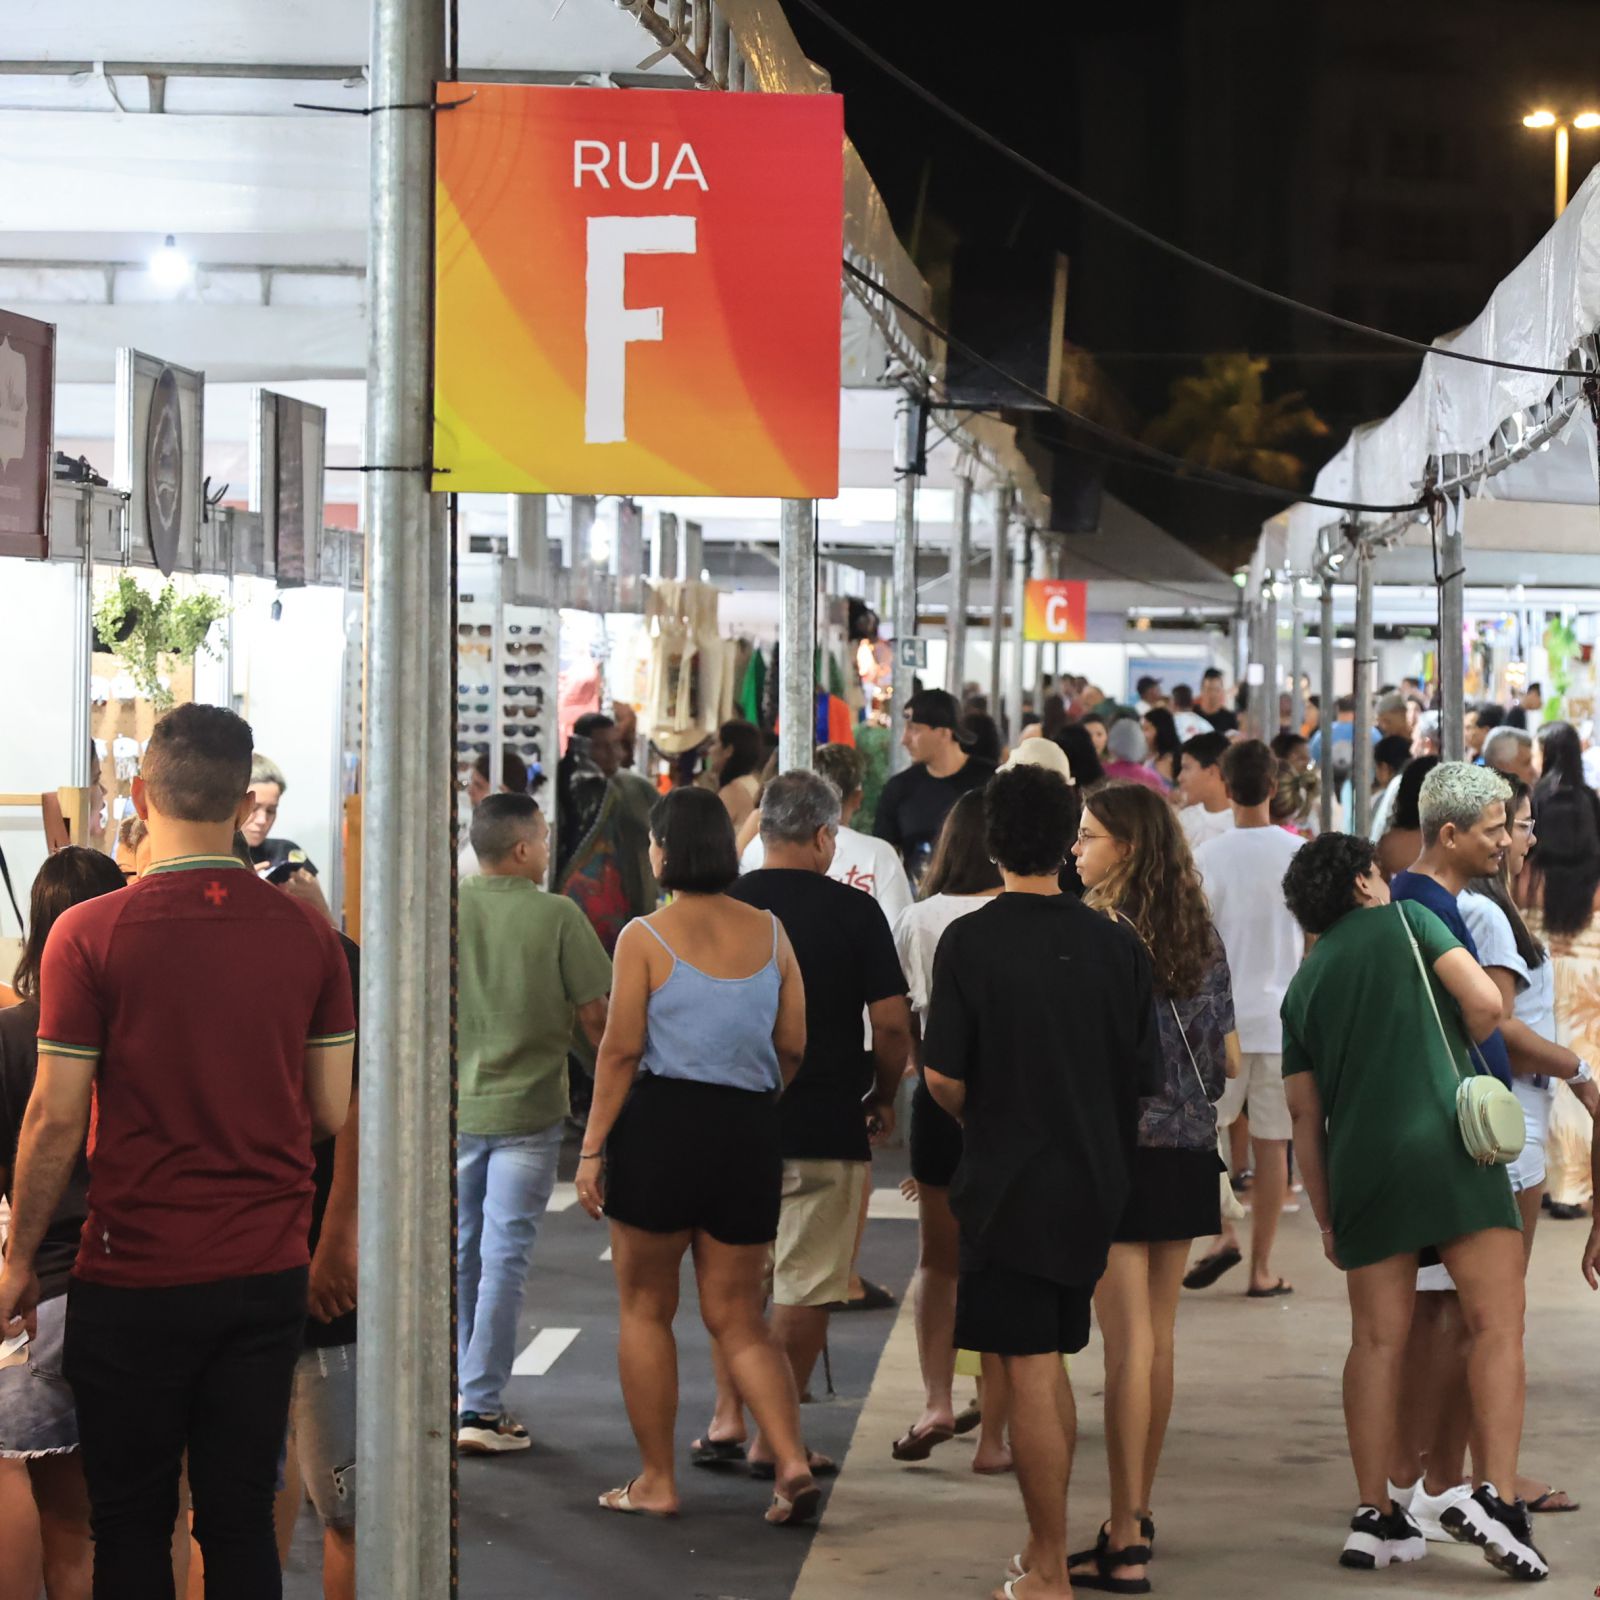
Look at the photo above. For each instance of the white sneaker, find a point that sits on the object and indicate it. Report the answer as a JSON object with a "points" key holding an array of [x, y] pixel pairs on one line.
{"points": [[1501, 1530], [1427, 1510], [1377, 1540], [490, 1436], [1402, 1496]]}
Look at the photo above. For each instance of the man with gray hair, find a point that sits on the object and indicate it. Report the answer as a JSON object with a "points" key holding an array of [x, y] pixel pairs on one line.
{"points": [[842, 1097], [1509, 751], [1465, 833]]}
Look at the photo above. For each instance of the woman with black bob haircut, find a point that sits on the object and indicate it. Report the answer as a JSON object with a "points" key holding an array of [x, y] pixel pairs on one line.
{"points": [[1379, 1030], [38, 1420], [706, 1028]]}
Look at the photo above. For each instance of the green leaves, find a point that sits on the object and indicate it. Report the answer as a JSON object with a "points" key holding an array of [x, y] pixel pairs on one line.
{"points": [[139, 628]]}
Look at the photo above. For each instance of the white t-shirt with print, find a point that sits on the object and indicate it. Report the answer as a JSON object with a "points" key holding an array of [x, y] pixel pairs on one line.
{"points": [[1242, 871], [860, 860], [917, 934]]}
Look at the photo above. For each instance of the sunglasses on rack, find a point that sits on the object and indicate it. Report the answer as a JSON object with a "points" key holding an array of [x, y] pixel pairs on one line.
{"points": [[524, 688], [469, 747], [531, 646], [512, 729], [517, 627], [464, 689], [474, 727], [479, 706], [483, 630], [530, 667]]}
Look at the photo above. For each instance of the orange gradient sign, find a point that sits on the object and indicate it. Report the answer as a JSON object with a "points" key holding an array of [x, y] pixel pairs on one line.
{"points": [[1055, 609], [638, 292]]}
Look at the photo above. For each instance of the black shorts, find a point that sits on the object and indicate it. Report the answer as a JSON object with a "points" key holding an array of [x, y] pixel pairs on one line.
{"points": [[935, 1140], [1173, 1194], [696, 1157], [1002, 1312]]}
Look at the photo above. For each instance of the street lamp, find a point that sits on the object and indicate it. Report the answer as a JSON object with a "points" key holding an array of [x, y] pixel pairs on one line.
{"points": [[1584, 122]]}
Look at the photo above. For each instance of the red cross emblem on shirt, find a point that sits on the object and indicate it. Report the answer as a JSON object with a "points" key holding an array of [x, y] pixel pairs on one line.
{"points": [[215, 893]]}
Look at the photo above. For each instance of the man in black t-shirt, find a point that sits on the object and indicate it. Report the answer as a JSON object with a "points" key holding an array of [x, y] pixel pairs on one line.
{"points": [[1041, 1037], [914, 803], [847, 958], [1213, 704]]}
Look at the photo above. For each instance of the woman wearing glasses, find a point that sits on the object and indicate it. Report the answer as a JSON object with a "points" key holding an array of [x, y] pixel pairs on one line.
{"points": [[1136, 868]]}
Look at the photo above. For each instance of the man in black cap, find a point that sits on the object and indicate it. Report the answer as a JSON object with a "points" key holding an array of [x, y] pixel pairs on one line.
{"points": [[914, 803]]}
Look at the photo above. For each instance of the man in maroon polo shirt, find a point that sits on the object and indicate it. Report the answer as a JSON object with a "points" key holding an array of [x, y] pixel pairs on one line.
{"points": [[207, 1018]]}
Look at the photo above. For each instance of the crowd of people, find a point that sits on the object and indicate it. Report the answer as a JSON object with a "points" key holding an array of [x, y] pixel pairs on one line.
{"points": [[1114, 975]]}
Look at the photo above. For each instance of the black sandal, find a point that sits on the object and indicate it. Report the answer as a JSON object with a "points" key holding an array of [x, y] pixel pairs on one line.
{"points": [[1102, 1543], [1108, 1562], [714, 1453]]}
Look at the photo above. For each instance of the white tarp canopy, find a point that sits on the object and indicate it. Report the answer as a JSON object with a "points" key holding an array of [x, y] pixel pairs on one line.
{"points": [[1544, 310]]}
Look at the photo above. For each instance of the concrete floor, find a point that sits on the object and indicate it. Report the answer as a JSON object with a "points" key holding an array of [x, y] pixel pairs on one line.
{"points": [[1253, 1500], [1255, 1489]]}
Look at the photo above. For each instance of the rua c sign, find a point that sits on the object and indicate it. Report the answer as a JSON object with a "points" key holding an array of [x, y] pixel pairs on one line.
{"points": [[638, 292]]}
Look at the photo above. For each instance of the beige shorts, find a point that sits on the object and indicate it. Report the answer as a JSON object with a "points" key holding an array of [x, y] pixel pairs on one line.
{"points": [[817, 1231], [1259, 1087]]}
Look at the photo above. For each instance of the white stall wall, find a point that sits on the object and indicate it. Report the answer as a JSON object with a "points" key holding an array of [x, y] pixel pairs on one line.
{"points": [[38, 676], [287, 676]]}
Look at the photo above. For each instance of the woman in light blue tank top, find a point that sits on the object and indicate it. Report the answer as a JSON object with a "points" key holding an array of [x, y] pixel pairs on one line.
{"points": [[707, 1025]]}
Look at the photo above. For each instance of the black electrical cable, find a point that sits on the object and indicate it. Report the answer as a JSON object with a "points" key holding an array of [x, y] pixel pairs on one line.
{"points": [[1176, 466], [1101, 209]]}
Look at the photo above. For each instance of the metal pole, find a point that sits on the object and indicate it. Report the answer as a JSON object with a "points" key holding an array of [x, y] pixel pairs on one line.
{"points": [[580, 556], [1360, 818], [997, 596], [1019, 577], [1297, 632], [528, 524], [905, 573], [1452, 621], [797, 634], [960, 583], [1325, 717], [1268, 717], [404, 1355]]}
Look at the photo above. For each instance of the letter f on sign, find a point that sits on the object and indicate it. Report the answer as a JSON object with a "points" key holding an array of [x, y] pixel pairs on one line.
{"points": [[609, 326]]}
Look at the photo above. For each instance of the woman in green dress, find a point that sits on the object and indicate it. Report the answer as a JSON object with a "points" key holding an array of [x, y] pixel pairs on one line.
{"points": [[1371, 1065]]}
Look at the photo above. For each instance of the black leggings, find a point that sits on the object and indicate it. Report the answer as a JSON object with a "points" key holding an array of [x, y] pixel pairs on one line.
{"points": [[205, 1368]]}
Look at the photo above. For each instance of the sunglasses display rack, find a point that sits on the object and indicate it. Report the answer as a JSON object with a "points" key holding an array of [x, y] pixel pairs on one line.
{"points": [[526, 663], [475, 707]]}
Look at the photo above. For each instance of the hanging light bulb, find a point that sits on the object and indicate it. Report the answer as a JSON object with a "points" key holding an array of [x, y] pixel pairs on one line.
{"points": [[170, 267]]}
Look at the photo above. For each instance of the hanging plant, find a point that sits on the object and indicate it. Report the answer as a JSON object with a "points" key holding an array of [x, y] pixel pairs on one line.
{"points": [[139, 628]]}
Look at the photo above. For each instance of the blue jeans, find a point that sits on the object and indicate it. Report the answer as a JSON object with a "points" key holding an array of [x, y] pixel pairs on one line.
{"points": [[504, 1182]]}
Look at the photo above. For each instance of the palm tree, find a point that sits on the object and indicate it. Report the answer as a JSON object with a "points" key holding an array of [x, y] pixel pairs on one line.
{"points": [[1223, 420]]}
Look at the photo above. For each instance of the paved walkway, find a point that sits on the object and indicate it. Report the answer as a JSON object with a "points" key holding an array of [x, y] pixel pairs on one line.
{"points": [[1255, 1487]]}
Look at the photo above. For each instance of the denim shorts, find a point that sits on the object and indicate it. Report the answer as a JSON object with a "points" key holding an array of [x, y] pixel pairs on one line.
{"points": [[322, 1415], [37, 1416]]}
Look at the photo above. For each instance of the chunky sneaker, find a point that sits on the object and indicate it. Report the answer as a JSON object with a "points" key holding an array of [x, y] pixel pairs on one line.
{"points": [[1427, 1510], [488, 1436], [1501, 1531], [1378, 1539]]}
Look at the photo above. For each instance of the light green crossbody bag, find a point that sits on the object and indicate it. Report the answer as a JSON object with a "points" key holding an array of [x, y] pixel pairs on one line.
{"points": [[1488, 1115]]}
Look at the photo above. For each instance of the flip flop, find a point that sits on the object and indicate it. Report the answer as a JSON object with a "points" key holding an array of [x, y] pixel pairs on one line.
{"points": [[1208, 1269], [873, 1297], [969, 1419], [1280, 1287], [715, 1453], [821, 1467], [621, 1500], [795, 1513], [1541, 1504], [914, 1446]]}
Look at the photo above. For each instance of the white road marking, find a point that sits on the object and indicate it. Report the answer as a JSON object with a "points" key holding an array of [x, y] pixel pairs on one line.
{"points": [[889, 1205], [547, 1348], [605, 1255], [564, 1197]]}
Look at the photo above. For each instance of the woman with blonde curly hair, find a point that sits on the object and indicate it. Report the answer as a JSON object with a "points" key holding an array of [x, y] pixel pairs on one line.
{"points": [[1136, 867]]}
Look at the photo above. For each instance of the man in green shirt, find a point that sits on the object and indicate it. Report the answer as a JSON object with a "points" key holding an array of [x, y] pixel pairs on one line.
{"points": [[530, 966]]}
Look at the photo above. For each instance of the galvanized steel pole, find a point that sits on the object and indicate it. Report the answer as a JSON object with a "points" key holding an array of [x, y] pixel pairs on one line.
{"points": [[960, 585], [406, 1420], [905, 572], [1297, 694], [1325, 715], [1019, 578], [797, 633], [997, 596], [1267, 715], [1360, 818], [1452, 622]]}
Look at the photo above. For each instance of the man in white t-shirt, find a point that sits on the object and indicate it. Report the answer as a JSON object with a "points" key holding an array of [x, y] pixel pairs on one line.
{"points": [[1242, 871], [1190, 724], [1206, 811], [859, 859]]}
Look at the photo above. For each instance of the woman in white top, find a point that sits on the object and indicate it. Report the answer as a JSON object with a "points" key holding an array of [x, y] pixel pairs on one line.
{"points": [[1525, 975], [959, 879]]}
